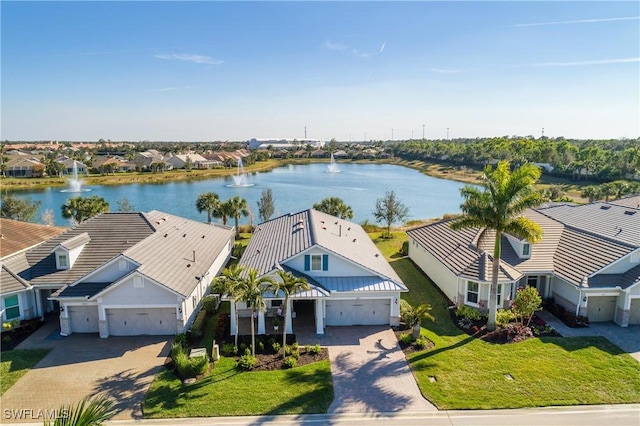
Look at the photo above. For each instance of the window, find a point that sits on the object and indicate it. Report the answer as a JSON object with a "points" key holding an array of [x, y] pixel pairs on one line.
{"points": [[11, 307], [316, 262], [194, 300], [526, 249], [499, 304], [62, 261], [472, 292], [532, 281]]}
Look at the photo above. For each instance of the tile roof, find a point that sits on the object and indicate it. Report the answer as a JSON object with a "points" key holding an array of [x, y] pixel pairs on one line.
{"points": [[75, 242], [279, 239], [11, 282], [16, 236]]}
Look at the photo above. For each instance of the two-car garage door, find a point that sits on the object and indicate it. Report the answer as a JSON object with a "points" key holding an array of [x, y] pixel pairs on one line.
{"points": [[139, 321], [358, 312]]}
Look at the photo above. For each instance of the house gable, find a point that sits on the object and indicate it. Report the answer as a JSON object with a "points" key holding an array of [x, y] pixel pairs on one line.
{"points": [[320, 262], [135, 290]]}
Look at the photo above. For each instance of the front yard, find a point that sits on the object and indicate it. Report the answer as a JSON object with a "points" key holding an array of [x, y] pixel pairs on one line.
{"points": [[16, 364], [470, 373]]}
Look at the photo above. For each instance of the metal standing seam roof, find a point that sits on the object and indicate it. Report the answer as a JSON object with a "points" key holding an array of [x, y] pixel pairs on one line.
{"points": [[277, 240], [345, 284]]}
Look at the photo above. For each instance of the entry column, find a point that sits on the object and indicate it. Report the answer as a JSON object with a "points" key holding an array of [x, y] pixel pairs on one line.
{"points": [[319, 316]]}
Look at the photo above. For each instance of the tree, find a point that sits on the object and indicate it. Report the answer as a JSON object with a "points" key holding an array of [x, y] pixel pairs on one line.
{"points": [[250, 291], [209, 202], [48, 218], [90, 411], [265, 205], [525, 304], [390, 209], [229, 283], [19, 209], [592, 193], [289, 285], [497, 208], [79, 209], [125, 206], [235, 207], [335, 207]]}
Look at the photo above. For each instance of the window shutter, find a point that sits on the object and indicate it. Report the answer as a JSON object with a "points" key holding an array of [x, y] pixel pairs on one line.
{"points": [[325, 262], [307, 262]]}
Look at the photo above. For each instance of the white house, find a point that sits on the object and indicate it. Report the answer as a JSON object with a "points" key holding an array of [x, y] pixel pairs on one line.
{"points": [[128, 273], [351, 282], [588, 260]]}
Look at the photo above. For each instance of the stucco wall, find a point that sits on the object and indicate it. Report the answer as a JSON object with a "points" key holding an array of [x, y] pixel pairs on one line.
{"points": [[149, 294], [441, 276], [337, 266]]}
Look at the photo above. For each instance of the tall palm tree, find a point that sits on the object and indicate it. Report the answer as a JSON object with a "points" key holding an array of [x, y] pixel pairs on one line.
{"points": [[235, 207], [250, 291], [209, 202], [229, 283], [79, 209], [335, 207], [497, 208], [288, 284]]}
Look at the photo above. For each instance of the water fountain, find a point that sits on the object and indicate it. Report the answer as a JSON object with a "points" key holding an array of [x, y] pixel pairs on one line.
{"points": [[75, 184], [240, 178], [333, 166]]}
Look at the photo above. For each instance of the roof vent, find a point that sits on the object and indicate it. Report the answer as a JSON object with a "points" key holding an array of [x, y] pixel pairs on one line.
{"points": [[202, 237], [165, 235], [605, 207], [184, 235], [354, 240], [629, 212]]}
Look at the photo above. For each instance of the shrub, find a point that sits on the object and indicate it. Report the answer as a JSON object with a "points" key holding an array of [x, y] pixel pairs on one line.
{"points": [[422, 342], [198, 324], [406, 339], [404, 249], [315, 349], [260, 347], [176, 348], [290, 362], [295, 354], [229, 349], [185, 366], [221, 326], [246, 362], [287, 350], [242, 348], [464, 311], [307, 349], [296, 346], [210, 304], [181, 339], [276, 347], [526, 303], [504, 317], [465, 323]]}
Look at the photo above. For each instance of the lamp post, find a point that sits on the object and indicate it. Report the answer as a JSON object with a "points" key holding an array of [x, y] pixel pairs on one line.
{"points": [[423, 132], [391, 135]]}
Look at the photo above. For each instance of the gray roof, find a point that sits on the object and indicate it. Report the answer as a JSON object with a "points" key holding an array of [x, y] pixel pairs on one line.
{"points": [[10, 282], [632, 202], [82, 290], [74, 242], [343, 284], [280, 239]]}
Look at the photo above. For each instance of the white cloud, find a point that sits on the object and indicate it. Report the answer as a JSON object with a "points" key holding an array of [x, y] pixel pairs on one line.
{"points": [[334, 46], [197, 59], [580, 21], [584, 63]]}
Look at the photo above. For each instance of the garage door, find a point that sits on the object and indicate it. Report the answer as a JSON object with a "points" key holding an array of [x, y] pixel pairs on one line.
{"points": [[139, 321], [634, 313], [601, 308], [83, 319], [358, 312]]}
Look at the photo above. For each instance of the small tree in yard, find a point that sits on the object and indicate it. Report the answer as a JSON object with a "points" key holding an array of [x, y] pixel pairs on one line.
{"points": [[390, 209], [413, 317], [526, 303], [265, 205]]}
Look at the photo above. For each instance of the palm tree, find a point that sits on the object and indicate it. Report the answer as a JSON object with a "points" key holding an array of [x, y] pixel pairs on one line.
{"points": [[229, 283], [497, 208], [79, 209], [88, 412], [250, 291], [289, 284], [235, 207], [335, 207], [209, 202]]}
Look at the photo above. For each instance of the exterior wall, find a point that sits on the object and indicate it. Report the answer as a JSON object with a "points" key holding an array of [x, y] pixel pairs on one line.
{"points": [[565, 294], [441, 276], [113, 271], [623, 264], [338, 267], [150, 294], [25, 304]]}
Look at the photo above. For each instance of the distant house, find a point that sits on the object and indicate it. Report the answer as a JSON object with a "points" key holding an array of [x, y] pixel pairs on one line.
{"points": [[125, 273], [350, 281], [179, 161], [588, 260], [68, 166], [17, 295], [23, 166]]}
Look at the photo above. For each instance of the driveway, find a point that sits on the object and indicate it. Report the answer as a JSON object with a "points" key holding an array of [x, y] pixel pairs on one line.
{"points": [[370, 373], [84, 364]]}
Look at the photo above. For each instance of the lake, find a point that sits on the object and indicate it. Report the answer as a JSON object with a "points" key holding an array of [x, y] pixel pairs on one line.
{"points": [[295, 188]]}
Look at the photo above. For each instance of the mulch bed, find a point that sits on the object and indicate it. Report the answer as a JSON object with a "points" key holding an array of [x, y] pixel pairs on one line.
{"points": [[12, 338], [411, 348], [267, 362], [511, 333]]}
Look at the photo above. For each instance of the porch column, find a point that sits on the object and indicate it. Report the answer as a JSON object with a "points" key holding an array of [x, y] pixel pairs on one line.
{"points": [[261, 324], [65, 328], [288, 311], [623, 313], [102, 320], [233, 318], [39, 308], [319, 316]]}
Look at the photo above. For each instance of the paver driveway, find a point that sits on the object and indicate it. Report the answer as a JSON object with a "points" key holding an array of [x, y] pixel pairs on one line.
{"points": [[370, 372], [84, 364]]}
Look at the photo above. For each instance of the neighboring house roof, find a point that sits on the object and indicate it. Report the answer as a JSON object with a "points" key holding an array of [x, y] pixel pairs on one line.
{"points": [[10, 282], [16, 236], [632, 201], [578, 241], [280, 239]]}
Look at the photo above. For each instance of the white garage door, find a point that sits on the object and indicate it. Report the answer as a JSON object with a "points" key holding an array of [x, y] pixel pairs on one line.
{"points": [[83, 319], [139, 321], [634, 313], [358, 312], [601, 308]]}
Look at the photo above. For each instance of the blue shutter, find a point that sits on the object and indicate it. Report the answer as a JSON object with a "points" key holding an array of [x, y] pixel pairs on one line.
{"points": [[325, 262], [307, 262]]}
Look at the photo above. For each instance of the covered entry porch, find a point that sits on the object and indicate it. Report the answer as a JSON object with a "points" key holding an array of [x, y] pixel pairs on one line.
{"points": [[304, 318]]}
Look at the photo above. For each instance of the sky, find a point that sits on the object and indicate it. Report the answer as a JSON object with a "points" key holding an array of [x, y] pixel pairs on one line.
{"points": [[353, 71]]}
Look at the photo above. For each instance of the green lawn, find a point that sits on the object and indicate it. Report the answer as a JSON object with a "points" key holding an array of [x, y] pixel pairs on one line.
{"points": [[470, 373], [227, 392], [16, 364]]}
